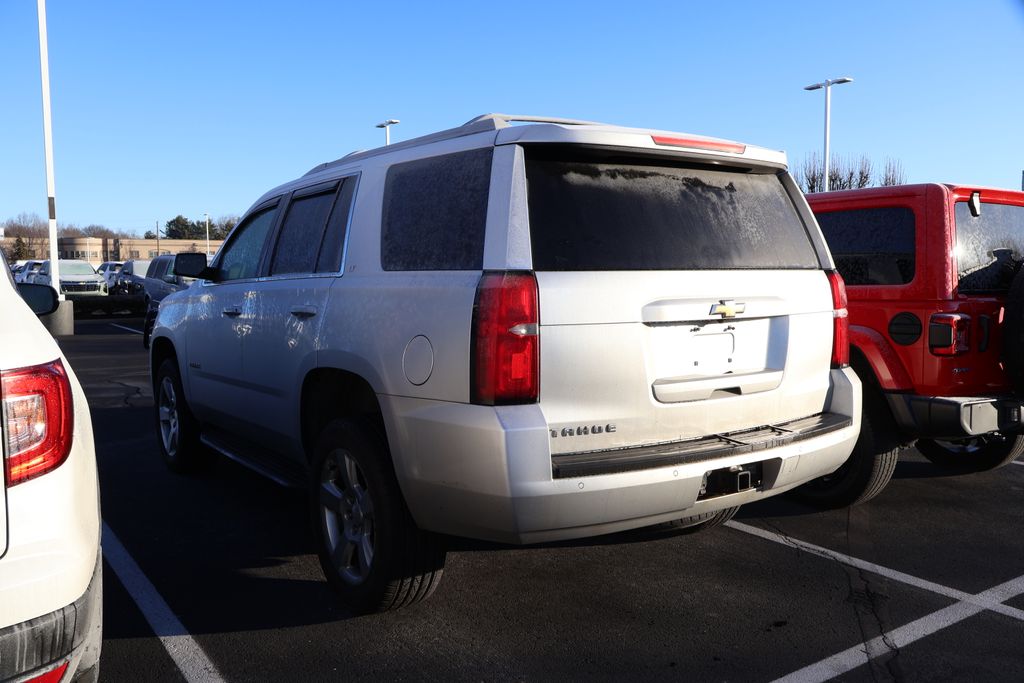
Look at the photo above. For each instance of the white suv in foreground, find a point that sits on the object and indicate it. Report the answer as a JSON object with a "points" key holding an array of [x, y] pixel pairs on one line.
{"points": [[516, 333], [51, 589]]}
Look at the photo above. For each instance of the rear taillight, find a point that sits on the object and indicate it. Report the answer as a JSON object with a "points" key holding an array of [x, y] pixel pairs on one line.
{"points": [[840, 321], [949, 334], [506, 346], [52, 676], [38, 409]]}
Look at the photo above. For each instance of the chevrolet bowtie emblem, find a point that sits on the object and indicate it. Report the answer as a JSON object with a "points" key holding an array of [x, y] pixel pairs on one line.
{"points": [[727, 308]]}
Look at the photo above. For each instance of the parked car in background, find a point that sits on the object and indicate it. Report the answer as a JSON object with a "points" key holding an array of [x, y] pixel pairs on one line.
{"points": [[516, 333], [51, 587], [936, 302], [129, 280], [77, 279], [28, 271], [160, 281], [109, 271]]}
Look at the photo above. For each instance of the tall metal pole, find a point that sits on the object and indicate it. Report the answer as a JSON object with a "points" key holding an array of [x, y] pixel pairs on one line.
{"points": [[44, 65], [828, 121], [207, 236], [157, 224]]}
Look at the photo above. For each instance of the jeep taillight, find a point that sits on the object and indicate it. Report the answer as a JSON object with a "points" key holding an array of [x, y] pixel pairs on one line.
{"points": [[949, 334], [40, 419], [506, 345], [840, 321]]}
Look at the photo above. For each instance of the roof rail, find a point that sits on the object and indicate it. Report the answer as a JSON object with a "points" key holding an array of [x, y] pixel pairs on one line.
{"points": [[502, 120], [482, 123]]}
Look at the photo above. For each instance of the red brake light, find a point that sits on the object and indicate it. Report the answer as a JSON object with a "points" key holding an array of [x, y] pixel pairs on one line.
{"points": [[51, 676], [949, 334], [506, 346], [694, 143], [840, 321], [40, 420]]}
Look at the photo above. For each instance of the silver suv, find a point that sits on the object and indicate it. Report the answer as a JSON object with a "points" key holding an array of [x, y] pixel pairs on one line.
{"points": [[517, 333]]}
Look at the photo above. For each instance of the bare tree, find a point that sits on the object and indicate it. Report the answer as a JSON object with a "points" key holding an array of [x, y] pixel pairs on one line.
{"points": [[893, 173], [845, 174]]}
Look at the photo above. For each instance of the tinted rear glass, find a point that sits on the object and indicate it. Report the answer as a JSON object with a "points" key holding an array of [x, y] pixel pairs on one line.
{"points": [[871, 246], [990, 247], [435, 211], [640, 215]]}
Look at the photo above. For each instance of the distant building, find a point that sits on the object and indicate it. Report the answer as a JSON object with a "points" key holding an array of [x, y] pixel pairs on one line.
{"points": [[96, 250]]}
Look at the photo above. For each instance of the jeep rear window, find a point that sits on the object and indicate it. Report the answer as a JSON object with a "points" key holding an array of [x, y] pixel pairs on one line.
{"points": [[871, 246], [989, 247], [435, 210], [612, 214]]}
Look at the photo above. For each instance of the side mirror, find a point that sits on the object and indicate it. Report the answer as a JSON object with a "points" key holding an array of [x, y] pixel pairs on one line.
{"points": [[42, 299], [170, 278], [191, 264]]}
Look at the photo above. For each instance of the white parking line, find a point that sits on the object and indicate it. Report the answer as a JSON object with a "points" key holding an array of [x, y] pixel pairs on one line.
{"points": [[858, 655], [129, 329], [183, 649], [980, 600]]}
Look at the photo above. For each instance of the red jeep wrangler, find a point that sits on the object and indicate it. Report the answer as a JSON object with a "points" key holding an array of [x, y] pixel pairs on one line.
{"points": [[936, 308]]}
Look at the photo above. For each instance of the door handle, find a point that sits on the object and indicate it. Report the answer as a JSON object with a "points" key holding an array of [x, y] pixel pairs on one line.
{"points": [[232, 311], [304, 311]]}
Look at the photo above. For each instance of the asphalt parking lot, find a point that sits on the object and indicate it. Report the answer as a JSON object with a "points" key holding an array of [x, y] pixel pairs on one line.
{"points": [[214, 576]]}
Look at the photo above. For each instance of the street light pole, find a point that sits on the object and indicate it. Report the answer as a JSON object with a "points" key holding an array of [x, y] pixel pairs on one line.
{"points": [[827, 85], [386, 125], [207, 236], [44, 66]]}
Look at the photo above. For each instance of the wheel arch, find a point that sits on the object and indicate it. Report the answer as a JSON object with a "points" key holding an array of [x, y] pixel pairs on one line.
{"points": [[331, 393], [874, 360]]}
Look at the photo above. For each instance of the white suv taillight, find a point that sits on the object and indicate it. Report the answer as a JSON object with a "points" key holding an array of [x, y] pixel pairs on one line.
{"points": [[37, 407], [840, 321], [506, 345], [949, 334]]}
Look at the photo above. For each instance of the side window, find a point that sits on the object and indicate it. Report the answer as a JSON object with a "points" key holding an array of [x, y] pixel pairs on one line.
{"points": [[302, 232], [434, 212], [333, 247], [871, 246], [241, 258], [156, 269]]}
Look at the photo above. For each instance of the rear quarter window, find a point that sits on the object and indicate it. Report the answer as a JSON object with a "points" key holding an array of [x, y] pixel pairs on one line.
{"points": [[435, 211], [598, 215], [873, 246], [989, 247]]}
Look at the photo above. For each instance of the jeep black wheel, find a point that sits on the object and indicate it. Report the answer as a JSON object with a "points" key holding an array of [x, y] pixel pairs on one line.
{"points": [[978, 454], [176, 426], [371, 552], [868, 469]]}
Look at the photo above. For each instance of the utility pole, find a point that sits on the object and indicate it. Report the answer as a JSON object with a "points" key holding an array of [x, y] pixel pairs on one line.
{"points": [[157, 237], [207, 236]]}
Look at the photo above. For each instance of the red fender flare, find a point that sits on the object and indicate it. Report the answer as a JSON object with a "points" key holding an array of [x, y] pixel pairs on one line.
{"points": [[884, 362]]}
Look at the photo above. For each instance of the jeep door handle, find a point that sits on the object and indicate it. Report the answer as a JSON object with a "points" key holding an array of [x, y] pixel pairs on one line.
{"points": [[232, 311], [304, 311]]}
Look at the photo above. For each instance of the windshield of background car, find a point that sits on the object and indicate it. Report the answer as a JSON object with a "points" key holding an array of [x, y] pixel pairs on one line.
{"points": [[602, 214], [989, 247], [76, 268]]}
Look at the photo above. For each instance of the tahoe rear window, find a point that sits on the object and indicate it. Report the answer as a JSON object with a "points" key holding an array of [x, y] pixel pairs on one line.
{"points": [[989, 247], [637, 214]]}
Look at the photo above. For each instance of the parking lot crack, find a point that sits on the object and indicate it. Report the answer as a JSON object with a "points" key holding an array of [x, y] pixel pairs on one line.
{"points": [[134, 392]]}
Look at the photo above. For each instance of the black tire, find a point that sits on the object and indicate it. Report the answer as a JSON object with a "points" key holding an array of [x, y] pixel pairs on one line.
{"points": [[371, 551], [979, 454], [702, 522], [1013, 333], [868, 469], [177, 429]]}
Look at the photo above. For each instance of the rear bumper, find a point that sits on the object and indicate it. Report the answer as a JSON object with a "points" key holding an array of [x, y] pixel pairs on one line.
{"points": [[71, 634], [488, 473], [951, 417]]}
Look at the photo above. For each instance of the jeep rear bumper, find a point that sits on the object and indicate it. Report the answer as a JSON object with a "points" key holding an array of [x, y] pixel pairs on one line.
{"points": [[951, 417]]}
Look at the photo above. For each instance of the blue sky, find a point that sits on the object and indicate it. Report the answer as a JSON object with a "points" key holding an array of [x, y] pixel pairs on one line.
{"points": [[192, 107]]}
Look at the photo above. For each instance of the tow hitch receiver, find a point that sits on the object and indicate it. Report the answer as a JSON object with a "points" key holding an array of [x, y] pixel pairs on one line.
{"points": [[727, 480]]}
